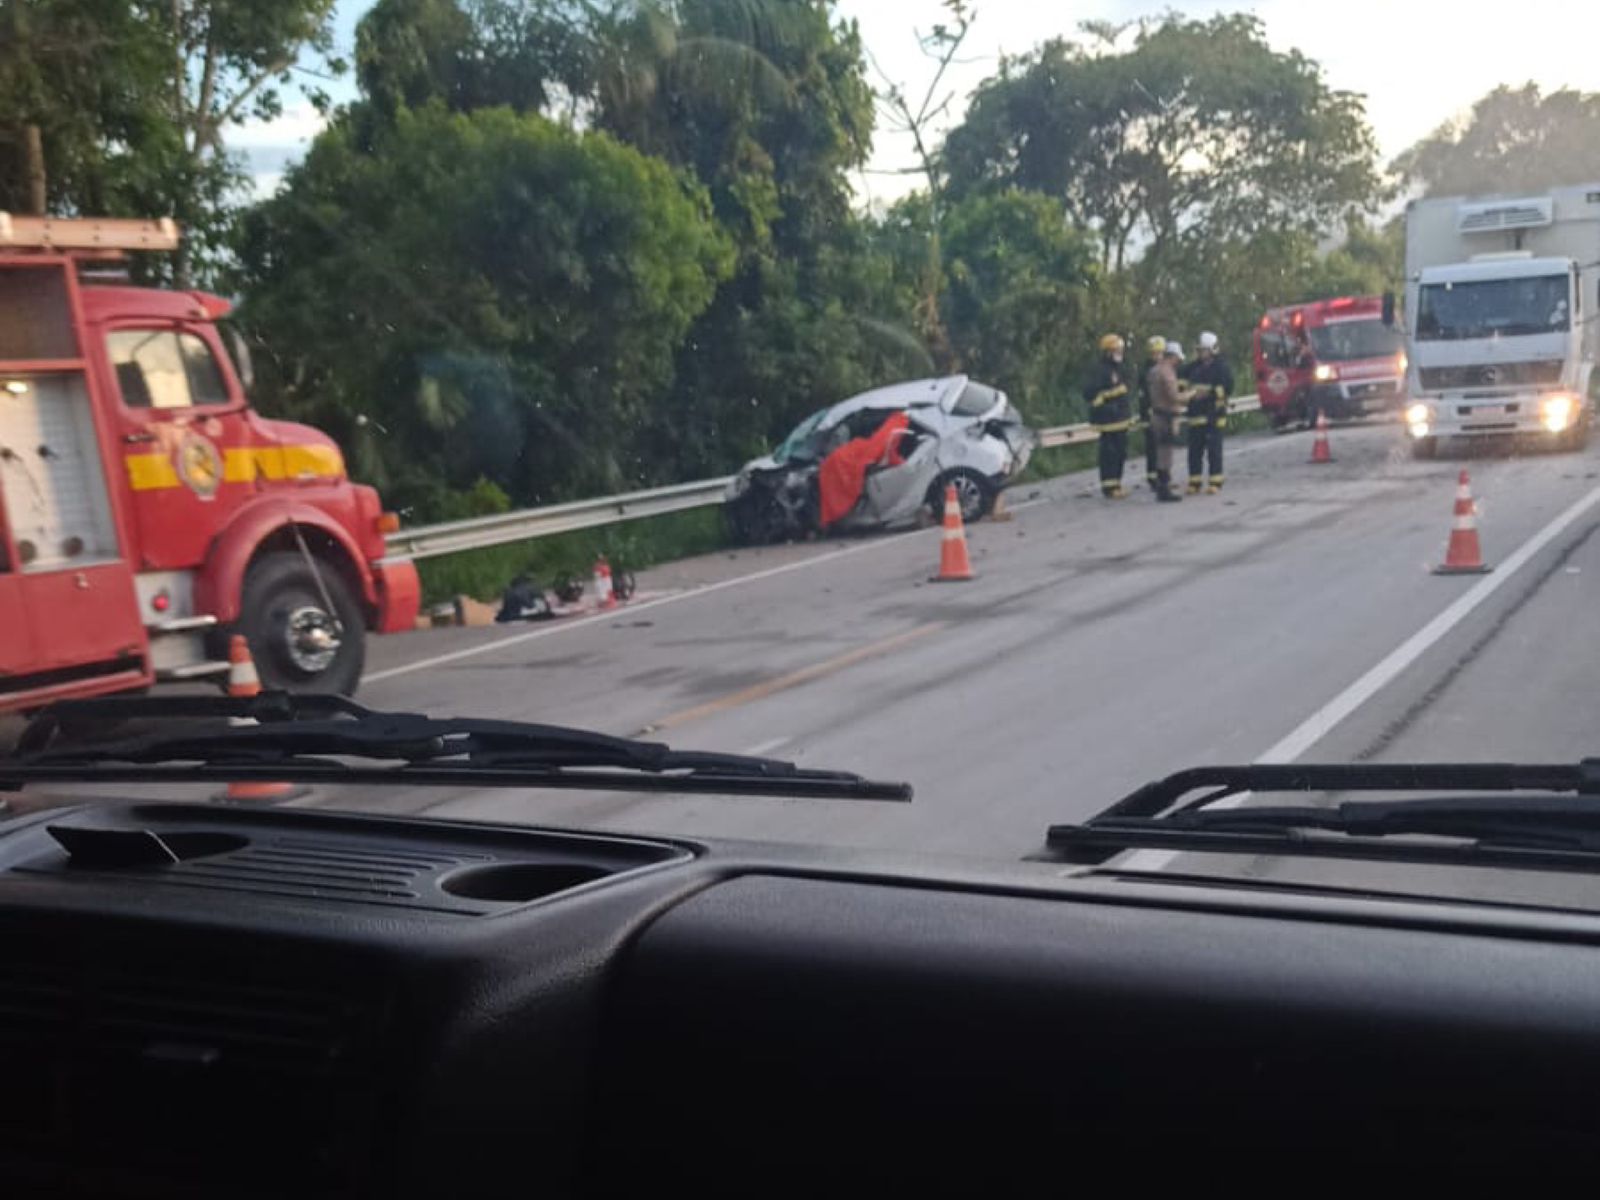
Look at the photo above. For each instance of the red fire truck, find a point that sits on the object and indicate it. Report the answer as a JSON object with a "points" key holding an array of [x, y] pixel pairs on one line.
{"points": [[146, 511], [1337, 356]]}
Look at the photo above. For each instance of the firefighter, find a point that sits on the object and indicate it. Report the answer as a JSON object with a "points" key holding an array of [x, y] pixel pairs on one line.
{"points": [[1155, 349], [1210, 381], [1110, 414], [1166, 407]]}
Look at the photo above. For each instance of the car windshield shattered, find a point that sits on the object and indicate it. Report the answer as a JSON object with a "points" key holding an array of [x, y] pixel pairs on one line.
{"points": [[907, 425]]}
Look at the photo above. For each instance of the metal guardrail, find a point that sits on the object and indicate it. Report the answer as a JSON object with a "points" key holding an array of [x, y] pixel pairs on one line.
{"points": [[1072, 435], [476, 533]]}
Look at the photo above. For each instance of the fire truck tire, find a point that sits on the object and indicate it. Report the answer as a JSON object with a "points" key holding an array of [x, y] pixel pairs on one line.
{"points": [[297, 645]]}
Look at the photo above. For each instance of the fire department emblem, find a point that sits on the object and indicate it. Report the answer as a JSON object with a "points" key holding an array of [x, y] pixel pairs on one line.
{"points": [[199, 464], [1277, 382]]}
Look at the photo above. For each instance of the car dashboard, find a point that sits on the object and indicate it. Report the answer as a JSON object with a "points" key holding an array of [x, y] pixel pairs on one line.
{"points": [[210, 1001]]}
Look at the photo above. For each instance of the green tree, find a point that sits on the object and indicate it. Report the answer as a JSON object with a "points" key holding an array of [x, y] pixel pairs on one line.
{"points": [[132, 100], [1200, 131], [1515, 139], [1017, 278], [78, 80], [480, 295], [469, 54]]}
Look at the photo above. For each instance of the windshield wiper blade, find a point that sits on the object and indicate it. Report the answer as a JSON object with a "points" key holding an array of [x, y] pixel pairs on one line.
{"points": [[1558, 829], [300, 738]]}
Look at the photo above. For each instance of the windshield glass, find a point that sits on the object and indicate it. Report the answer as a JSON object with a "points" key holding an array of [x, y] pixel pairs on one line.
{"points": [[1354, 340], [799, 442], [1493, 308], [530, 286]]}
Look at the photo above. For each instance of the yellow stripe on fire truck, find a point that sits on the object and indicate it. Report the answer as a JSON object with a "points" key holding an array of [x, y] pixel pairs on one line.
{"points": [[242, 464]]}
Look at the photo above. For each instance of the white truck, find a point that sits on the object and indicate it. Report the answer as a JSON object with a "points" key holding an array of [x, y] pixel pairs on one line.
{"points": [[1500, 309]]}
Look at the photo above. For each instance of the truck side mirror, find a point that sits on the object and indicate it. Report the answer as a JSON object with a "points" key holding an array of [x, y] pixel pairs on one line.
{"points": [[1388, 310]]}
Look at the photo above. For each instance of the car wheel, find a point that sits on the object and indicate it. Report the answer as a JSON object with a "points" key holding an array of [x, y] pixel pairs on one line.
{"points": [[975, 494], [298, 644], [1425, 449]]}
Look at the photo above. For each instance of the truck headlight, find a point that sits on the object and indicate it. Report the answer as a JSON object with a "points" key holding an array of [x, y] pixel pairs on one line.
{"points": [[1419, 419], [1324, 372], [1556, 412]]}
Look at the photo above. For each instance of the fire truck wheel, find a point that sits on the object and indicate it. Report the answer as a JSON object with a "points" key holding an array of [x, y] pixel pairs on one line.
{"points": [[297, 644]]}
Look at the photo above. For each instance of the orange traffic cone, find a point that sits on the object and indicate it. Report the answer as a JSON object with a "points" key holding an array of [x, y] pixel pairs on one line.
{"points": [[1464, 556], [1320, 453], [243, 681], [604, 595], [953, 564]]}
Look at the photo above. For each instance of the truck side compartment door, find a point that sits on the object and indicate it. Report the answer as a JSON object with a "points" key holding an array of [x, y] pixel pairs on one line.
{"points": [[66, 590]]}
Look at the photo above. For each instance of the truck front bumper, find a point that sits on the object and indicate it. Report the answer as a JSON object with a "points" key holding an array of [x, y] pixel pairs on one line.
{"points": [[399, 595], [1358, 399], [1525, 414]]}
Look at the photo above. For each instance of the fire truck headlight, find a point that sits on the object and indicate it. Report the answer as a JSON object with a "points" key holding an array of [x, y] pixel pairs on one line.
{"points": [[17, 387], [1556, 412], [1324, 373], [1419, 419]]}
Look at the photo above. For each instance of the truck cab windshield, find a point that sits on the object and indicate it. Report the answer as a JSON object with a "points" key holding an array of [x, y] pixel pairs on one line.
{"points": [[1493, 308], [1352, 340]]}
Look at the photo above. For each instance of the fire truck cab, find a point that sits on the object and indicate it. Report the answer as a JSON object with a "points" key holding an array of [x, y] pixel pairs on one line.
{"points": [[146, 510], [1335, 356]]}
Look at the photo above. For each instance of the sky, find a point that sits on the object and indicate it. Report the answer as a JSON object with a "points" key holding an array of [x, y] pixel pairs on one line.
{"points": [[1418, 64]]}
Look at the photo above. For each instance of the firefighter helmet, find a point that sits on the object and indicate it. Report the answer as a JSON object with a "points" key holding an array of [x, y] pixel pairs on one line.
{"points": [[1208, 340], [1155, 345], [1111, 344]]}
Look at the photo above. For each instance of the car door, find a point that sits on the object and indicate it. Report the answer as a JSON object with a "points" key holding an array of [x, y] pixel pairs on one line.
{"points": [[180, 417], [894, 494]]}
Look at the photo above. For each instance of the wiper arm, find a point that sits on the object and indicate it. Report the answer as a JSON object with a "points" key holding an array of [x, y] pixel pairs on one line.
{"points": [[1549, 830], [299, 739]]}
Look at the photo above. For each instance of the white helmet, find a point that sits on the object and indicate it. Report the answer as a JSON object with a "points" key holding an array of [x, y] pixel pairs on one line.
{"points": [[1208, 341], [1174, 350]]}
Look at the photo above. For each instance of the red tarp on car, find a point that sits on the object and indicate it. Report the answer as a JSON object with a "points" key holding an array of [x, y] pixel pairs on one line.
{"points": [[844, 472]]}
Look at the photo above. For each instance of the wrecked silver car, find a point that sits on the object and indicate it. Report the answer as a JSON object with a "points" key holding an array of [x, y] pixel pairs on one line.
{"points": [[896, 448]]}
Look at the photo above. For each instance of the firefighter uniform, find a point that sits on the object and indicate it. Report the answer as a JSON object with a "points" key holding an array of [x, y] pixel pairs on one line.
{"points": [[1155, 349], [1210, 381], [1110, 413]]}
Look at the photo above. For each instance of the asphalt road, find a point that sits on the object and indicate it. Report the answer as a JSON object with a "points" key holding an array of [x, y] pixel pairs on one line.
{"points": [[1103, 644]]}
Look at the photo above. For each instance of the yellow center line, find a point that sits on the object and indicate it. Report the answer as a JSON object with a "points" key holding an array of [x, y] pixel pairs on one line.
{"points": [[782, 683]]}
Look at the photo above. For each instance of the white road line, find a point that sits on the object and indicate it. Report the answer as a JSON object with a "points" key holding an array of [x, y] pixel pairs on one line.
{"points": [[439, 660], [1322, 722], [768, 746]]}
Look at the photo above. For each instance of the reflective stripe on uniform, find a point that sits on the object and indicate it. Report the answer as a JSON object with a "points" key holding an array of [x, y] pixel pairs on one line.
{"points": [[1115, 427], [1109, 394]]}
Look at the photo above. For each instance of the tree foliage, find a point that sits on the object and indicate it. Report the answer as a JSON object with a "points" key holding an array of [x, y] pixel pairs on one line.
{"points": [[1199, 131], [134, 99], [481, 295], [1515, 139]]}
